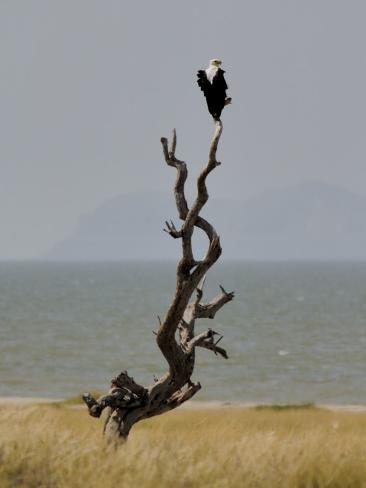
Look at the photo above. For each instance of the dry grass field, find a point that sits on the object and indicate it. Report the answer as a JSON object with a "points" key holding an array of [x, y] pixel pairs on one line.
{"points": [[46, 446]]}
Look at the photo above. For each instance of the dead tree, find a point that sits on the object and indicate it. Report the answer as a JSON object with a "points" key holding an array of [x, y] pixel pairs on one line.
{"points": [[128, 402]]}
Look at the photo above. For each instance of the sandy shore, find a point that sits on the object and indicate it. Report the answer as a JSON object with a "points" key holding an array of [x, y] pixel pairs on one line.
{"points": [[188, 405], [26, 400]]}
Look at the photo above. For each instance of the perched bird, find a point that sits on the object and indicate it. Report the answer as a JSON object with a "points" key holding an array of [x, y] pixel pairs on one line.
{"points": [[213, 84]]}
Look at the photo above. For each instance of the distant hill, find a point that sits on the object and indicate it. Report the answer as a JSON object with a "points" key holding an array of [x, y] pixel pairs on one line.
{"points": [[312, 220]]}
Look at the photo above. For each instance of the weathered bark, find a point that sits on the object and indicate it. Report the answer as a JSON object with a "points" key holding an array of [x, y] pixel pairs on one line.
{"points": [[127, 402]]}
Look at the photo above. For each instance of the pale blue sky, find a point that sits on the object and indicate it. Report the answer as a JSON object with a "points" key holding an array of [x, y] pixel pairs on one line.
{"points": [[88, 87]]}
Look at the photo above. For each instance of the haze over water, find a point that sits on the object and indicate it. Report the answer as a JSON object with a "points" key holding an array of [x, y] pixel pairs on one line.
{"points": [[294, 333]]}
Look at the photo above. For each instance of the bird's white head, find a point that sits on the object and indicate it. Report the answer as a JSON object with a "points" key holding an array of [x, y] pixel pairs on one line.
{"points": [[215, 62]]}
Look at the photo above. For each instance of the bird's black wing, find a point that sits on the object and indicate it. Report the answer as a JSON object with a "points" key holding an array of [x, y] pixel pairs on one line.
{"points": [[203, 82], [219, 80]]}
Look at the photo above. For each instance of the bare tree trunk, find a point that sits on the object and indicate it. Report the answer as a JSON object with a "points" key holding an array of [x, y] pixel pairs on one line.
{"points": [[128, 402]]}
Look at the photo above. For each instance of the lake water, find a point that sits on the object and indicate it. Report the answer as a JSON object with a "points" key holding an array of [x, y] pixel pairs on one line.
{"points": [[296, 332]]}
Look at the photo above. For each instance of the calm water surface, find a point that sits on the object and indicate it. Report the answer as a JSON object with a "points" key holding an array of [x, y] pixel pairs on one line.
{"points": [[296, 332]]}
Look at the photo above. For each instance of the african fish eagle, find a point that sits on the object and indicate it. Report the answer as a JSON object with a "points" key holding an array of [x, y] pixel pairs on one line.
{"points": [[213, 84]]}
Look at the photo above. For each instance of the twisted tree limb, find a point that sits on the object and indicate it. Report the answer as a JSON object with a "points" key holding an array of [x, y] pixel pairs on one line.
{"points": [[128, 402]]}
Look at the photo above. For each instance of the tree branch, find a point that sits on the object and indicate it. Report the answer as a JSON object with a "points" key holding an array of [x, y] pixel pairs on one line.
{"points": [[210, 309], [214, 348], [124, 381], [117, 398], [178, 398], [172, 230], [187, 281], [182, 174], [208, 336]]}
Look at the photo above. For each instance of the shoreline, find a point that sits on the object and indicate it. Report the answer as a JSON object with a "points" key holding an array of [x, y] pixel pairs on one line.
{"points": [[191, 404]]}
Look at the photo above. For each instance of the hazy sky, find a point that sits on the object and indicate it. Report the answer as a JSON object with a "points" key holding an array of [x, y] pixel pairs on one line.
{"points": [[87, 88]]}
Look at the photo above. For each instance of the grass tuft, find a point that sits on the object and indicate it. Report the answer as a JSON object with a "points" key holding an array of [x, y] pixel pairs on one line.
{"points": [[285, 407]]}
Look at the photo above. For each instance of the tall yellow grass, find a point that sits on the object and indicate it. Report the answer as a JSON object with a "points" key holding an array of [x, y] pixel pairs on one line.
{"points": [[61, 446]]}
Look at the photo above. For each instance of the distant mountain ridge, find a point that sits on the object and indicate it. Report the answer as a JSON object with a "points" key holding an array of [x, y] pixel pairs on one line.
{"points": [[311, 220]]}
